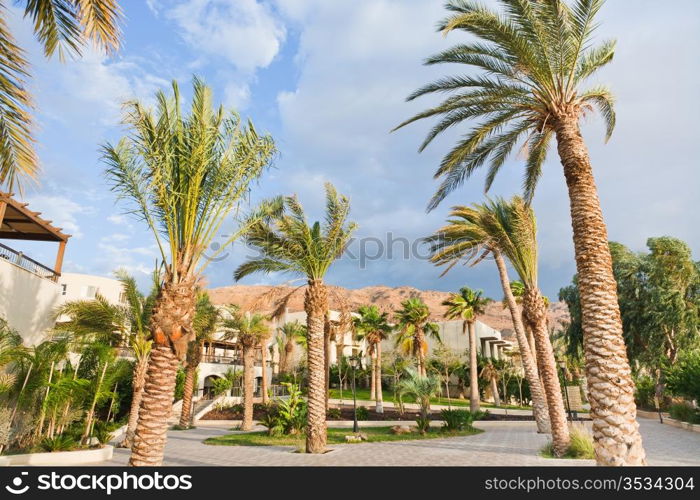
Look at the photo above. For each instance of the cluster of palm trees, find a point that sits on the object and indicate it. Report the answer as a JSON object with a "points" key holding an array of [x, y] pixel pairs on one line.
{"points": [[534, 58], [183, 173]]}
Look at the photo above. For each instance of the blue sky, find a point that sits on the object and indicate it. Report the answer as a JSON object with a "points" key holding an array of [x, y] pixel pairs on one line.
{"points": [[328, 81]]}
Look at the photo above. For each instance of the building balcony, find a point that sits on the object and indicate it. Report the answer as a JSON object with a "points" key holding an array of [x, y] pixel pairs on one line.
{"points": [[27, 263]]}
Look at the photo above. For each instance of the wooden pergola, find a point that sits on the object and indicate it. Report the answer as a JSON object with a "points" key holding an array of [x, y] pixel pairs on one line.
{"points": [[18, 222]]}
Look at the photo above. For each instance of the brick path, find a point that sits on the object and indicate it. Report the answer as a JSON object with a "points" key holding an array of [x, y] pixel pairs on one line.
{"points": [[503, 443]]}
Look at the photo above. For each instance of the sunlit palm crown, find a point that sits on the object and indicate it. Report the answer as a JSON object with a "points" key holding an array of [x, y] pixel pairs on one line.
{"points": [[465, 305], [247, 328], [63, 26], [183, 174], [289, 244], [372, 324], [535, 56], [508, 227], [414, 315]]}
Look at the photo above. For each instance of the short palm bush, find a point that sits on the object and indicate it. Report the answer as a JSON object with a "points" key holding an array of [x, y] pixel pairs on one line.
{"points": [[62, 442], [288, 417], [456, 420], [362, 413], [422, 388]]}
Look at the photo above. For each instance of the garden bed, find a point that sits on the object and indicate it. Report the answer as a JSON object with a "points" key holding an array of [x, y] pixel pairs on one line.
{"points": [[335, 436]]}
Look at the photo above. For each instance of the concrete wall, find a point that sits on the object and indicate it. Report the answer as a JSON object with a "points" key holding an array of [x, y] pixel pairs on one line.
{"points": [[27, 301]]}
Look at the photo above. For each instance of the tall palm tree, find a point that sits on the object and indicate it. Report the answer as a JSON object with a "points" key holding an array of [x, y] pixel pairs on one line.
{"points": [[288, 244], [289, 335], [373, 326], [63, 26], [249, 331], [414, 326], [467, 305], [512, 228], [536, 58], [468, 238], [206, 319], [183, 175]]}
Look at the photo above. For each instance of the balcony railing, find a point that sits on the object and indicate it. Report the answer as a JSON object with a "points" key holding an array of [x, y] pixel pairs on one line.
{"points": [[21, 260], [226, 360]]}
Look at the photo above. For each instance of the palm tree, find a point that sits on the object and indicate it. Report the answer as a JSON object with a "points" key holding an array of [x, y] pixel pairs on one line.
{"points": [[288, 244], [206, 319], [373, 326], [249, 331], [413, 324], [183, 175], [469, 237], [423, 388], [536, 58], [138, 315], [289, 335], [467, 305], [489, 372], [63, 26], [512, 228]]}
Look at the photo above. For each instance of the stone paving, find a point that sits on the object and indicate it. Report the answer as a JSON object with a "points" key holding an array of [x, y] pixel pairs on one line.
{"points": [[502, 443]]}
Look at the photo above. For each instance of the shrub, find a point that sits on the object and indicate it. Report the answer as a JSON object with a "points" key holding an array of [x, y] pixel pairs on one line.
{"points": [[333, 413], [684, 378], [102, 433], [221, 386], [62, 442], [271, 420], [480, 415], [287, 417], [685, 413], [645, 391], [581, 445], [456, 420], [362, 413]]}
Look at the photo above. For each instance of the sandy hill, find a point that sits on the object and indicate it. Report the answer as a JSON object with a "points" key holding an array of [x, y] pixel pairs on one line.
{"points": [[386, 298]]}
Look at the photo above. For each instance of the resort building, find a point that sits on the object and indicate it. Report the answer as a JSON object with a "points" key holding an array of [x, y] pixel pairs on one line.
{"points": [[29, 290]]}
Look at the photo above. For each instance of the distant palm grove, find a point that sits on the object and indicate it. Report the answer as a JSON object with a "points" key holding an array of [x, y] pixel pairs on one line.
{"points": [[186, 169]]}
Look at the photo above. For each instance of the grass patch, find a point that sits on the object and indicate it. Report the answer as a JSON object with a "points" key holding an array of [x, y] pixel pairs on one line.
{"points": [[581, 446], [335, 436], [388, 394], [179, 427]]}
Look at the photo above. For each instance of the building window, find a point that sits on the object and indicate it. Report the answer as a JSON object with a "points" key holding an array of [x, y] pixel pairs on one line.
{"points": [[122, 297], [64, 288], [89, 292]]}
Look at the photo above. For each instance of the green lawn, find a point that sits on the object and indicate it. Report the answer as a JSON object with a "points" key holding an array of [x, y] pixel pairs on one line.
{"points": [[335, 436], [363, 395]]}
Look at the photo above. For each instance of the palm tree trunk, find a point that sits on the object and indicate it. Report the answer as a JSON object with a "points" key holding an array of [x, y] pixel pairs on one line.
{"points": [[288, 353], [611, 390], [156, 407], [171, 330], [91, 412], [539, 399], [373, 376], [474, 404], [379, 397], [316, 305], [248, 368], [494, 391], [187, 394], [138, 381], [420, 340], [327, 356], [263, 361], [536, 317], [42, 415]]}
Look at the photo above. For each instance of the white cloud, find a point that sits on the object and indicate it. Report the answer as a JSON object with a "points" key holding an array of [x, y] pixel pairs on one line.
{"points": [[244, 32], [62, 211]]}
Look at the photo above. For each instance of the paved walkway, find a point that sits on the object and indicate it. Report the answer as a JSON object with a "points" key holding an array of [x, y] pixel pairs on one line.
{"points": [[503, 443]]}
